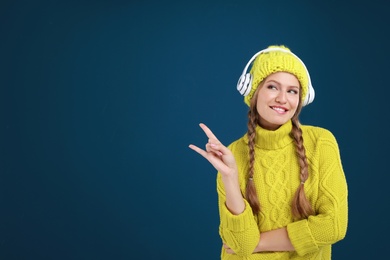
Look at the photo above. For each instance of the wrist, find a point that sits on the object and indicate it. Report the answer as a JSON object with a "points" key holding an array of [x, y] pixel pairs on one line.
{"points": [[229, 179], [260, 246]]}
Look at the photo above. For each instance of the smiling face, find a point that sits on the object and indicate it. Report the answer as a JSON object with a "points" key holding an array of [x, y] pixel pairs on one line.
{"points": [[277, 100]]}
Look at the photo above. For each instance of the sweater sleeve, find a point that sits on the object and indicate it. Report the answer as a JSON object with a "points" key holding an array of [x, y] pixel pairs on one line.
{"points": [[329, 225], [239, 232]]}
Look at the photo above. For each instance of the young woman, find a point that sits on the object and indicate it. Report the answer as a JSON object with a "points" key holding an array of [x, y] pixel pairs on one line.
{"points": [[282, 191]]}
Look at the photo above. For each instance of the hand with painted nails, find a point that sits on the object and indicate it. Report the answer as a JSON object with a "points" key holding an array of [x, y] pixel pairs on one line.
{"points": [[217, 154]]}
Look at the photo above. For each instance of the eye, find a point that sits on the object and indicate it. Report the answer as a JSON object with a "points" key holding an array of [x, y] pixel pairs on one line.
{"points": [[293, 91], [271, 87]]}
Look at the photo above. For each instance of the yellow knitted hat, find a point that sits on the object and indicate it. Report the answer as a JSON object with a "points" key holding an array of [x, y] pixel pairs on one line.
{"points": [[274, 61]]}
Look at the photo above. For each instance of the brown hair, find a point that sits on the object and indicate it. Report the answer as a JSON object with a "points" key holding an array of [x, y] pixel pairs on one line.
{"points": [[301, 207]]}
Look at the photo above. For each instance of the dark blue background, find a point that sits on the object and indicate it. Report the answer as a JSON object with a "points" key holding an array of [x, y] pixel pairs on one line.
{"points": [[100, 99]]}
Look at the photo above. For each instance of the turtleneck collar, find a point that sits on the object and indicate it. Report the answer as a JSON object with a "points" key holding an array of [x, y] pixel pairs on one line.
{"points": [[273, 139]]}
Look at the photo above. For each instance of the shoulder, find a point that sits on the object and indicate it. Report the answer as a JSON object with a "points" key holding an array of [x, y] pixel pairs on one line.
{"points": [[320, 141], [316, 134]]}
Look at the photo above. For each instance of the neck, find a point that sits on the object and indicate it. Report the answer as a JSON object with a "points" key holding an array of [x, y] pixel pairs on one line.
{"points": [[273, 139]]}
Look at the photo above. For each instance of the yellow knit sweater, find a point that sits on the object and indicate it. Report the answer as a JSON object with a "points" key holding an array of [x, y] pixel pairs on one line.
{"points": [[277, 179]]}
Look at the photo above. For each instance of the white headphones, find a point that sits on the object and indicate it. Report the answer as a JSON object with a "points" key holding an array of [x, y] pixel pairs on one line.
{"points": [[244, 84]]}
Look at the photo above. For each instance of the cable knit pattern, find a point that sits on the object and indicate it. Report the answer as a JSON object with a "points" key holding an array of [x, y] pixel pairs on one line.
{"points": [[276, 179]]}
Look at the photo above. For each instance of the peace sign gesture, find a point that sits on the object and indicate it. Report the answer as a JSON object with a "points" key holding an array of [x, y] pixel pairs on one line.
{"points": [[217, 154]]}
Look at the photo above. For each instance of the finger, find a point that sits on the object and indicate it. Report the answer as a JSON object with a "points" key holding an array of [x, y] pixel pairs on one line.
{"points": [[220, 148], [215, 144], [212, 157], [208, 132], [229, 251], [205, 153], [198, 150], [210, 149]]}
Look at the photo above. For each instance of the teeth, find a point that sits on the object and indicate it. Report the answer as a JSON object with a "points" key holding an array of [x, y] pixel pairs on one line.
{"points": [[278, 109]]}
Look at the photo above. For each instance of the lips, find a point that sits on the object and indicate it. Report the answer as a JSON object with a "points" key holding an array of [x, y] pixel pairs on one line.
{"points": [[279, 109]]}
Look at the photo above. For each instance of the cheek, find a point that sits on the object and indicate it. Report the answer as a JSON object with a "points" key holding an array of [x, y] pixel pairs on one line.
{"points": [[294, 101], [260, 104]]}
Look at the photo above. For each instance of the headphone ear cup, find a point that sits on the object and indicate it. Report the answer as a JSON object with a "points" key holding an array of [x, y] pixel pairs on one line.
{"points": [[310, 96], [244, 84]]}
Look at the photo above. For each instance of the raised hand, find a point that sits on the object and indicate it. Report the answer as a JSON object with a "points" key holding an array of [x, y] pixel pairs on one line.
{"points": [[217, 154]]}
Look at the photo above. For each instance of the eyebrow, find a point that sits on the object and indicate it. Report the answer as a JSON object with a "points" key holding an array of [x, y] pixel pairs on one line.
{"points": [[271, 80]]}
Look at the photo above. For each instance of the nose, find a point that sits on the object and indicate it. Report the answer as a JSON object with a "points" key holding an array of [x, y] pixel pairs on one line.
{"points": [[281, 97]]}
